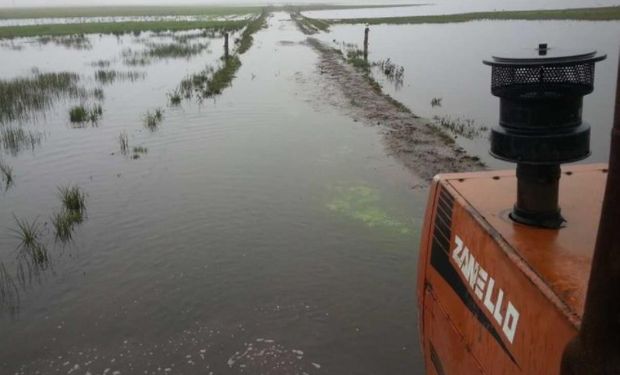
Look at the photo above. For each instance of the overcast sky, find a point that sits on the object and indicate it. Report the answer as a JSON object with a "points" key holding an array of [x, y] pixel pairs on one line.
{"points": [[532, 3], [28, 3]]}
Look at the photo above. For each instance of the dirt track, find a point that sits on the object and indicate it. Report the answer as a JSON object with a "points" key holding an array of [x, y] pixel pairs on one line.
{"points": [[422, 148]]}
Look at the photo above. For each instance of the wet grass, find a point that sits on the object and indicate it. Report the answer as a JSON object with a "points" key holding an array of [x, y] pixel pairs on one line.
{"points": [[393, 72], [72, 198], [210, 82], [120, 11], [162, 51], [81, 114], [110, 76], [175, 50], [15, 139], [64, 224], [22, 97], [78, 41], [355, 57], [123, 140], [6, 175], [247, 38], [117, 28], [436, 102], [100, 64], [153, 119], [175, 98], [98, 93], [29, 233], [465, 128], [585, 14], [308, 26]]}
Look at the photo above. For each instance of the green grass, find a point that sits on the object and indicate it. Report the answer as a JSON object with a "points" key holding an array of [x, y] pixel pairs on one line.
{"points": [[465, 128], [113, 11], [585, 14], [152, 120], [29, 233], [81, 114], [6, 174], [116, 27], [140, 150], [72, 197], [22, 97]]}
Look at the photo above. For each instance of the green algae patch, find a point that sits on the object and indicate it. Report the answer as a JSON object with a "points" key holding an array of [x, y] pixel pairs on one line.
{"points": [[363, 204]]}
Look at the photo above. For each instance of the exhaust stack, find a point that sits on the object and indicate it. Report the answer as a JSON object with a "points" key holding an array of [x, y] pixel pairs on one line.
{"points": [[540, 127]]}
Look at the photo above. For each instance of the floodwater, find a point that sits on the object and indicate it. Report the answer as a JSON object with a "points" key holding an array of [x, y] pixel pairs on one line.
{"points": [[438, 7], [263, 232], [445, 61]]}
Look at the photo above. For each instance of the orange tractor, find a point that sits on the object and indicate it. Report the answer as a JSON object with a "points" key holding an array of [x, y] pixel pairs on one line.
{"points": [[531, 287]]}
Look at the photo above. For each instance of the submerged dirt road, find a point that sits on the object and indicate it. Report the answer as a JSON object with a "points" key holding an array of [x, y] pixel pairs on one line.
{"points": [[421, 147]]}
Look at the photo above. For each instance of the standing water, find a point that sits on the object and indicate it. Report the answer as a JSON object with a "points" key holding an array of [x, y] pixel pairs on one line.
{"points": [[262, 232]]}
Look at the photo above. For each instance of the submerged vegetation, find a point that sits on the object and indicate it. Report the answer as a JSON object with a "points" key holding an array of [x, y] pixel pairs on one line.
{"points": [[15, 139], [81, 114], [363, 204], [110, 76], [21, 97], [153, 119], [308, 26], [465, 128], [162, 51], [6, 175], [436, 102], [209, 82], [73, 211], [587, 14], [77, 41], [29, 233], [72, 197], [124, 142]]}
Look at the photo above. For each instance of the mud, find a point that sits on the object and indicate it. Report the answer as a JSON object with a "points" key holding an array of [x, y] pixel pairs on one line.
{"points": [[422, 147]]}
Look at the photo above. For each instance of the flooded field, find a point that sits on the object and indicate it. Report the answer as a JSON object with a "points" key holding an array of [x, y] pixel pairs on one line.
{"points": [[444, 62], [154, 219], [440, 7], [261, 230]]}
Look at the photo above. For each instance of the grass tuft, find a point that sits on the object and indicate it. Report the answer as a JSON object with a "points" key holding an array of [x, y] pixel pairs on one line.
{"points": [[152, 120], [64, 223], [29, 233], [72, 197], [81, 114]]}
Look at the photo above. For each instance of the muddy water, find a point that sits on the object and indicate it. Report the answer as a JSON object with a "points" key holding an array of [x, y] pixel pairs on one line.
{"points": [[263, 232], [445, 61]]}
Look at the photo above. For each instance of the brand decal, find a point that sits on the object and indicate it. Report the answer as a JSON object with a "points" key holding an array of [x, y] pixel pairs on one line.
{"points": [[485, 289]]}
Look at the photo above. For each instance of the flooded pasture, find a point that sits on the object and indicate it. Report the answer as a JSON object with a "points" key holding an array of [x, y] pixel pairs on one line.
{"points": [[260, 228], [444, 62], [262, 232]]}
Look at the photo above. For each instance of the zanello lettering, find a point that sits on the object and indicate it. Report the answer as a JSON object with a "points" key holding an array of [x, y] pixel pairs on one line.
{"points": [[484, 287]]}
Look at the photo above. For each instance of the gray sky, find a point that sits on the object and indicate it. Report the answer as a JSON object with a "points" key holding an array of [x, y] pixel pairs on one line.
{"points": [[532, 4], [41, 3]]}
